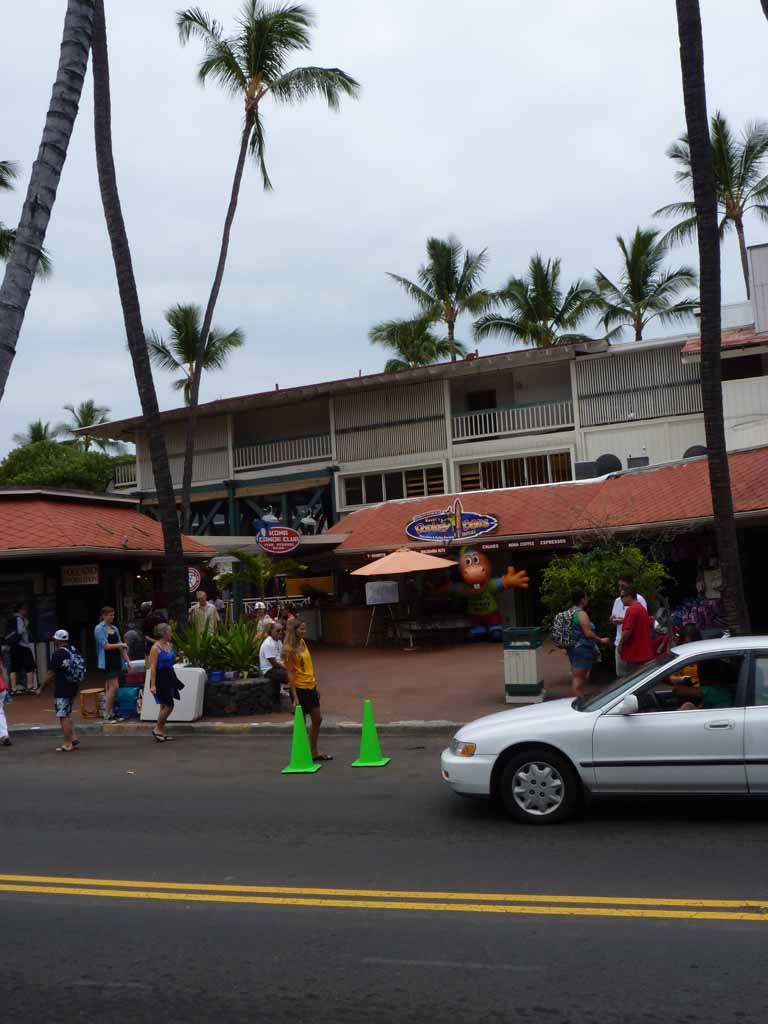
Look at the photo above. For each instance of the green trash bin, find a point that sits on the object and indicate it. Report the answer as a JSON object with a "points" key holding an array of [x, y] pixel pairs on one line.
{"points": [[523, 665]]}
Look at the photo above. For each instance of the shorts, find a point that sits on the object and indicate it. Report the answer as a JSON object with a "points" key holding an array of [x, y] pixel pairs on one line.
{"points": [[63, 706], [22, 659], [308, 699], [581, 658]]}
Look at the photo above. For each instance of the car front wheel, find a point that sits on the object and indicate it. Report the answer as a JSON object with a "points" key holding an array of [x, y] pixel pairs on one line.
{"points": [[539, 787]]}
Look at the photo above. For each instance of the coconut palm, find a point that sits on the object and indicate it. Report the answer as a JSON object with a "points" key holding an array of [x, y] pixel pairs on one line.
{"points": [[413, 343], [88, 414], [252, 64], [645, 290], [703, 162], [179, 354], [24, 257], [9, 172], [536, 311], [448, 285], [36, 431], [175, 583], [740, 165]]}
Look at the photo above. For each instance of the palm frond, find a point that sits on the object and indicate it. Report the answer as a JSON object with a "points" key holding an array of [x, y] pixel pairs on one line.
{"points": [[419, 295], [302, 84], [256, 146], [9, 173], [160, 354], [7, 242], [219, 346]]}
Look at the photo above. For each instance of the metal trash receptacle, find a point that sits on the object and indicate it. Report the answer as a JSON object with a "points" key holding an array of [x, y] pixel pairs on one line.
{"points": [[523, 665]]}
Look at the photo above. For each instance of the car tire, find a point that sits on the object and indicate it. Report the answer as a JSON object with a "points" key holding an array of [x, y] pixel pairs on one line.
{"points": [[539, 787]]}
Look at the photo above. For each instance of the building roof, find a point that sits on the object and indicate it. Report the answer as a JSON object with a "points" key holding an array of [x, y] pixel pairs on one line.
{"points": [[740, 337], [40, 523], [675, 494], [126, 429]]}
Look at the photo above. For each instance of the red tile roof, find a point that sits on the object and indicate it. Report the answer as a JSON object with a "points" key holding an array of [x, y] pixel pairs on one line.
{"points": [[740, 337], [668, 494], [52, 525]]}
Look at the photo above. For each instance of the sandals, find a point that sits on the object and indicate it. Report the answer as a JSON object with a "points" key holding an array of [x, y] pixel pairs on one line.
{"points": [[323, 757], [65, 750], [162, 739]]}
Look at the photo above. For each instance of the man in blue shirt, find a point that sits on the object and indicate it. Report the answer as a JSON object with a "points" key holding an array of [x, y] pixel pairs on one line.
{"points": [[64, 689]]}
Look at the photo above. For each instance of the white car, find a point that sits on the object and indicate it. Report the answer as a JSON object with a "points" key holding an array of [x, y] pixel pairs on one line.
{"points": [[705, 731]]}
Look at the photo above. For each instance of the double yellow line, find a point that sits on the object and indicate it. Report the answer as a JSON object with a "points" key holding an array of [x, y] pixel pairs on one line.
{"points": [[386, 899]]}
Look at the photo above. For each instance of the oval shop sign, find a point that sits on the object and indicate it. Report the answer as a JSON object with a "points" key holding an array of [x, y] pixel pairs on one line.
{"points": [[450, 524], [278, 540]]}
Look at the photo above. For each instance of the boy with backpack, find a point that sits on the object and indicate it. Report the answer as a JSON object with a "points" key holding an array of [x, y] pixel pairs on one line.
{"points": [[66, 671]]}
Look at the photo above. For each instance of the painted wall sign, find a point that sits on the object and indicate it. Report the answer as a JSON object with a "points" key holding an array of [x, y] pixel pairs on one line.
{"points": [[540, 543], [79, 575], [277, 540], [450, 524], [194, 579]]}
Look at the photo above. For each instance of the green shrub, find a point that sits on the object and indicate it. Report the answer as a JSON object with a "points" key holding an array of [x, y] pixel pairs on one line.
{"points": [[48, 464]]}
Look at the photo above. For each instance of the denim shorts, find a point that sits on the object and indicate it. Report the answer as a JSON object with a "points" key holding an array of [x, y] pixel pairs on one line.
{"points": [[581, 657], [63, 706]]}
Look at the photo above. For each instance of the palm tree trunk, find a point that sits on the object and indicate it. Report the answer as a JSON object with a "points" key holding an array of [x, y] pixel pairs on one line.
{"points": [[46, 173], [451, 328], [764, 4], [739, 224], [705, 197], [638, 328], [194, 393], [175, 573]]}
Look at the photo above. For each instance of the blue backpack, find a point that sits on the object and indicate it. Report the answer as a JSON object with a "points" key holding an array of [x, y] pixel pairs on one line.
{"points": [[75, 668]]}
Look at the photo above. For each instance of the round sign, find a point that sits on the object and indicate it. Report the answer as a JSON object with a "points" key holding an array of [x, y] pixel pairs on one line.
{"points": [[278, 540], [194, 579]]}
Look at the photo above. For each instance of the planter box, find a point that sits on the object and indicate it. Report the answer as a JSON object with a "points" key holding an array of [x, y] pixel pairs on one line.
{"points": [[238, 697]]}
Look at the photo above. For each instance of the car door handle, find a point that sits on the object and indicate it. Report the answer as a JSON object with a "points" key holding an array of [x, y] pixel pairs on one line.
{"points": [[730, 724]]}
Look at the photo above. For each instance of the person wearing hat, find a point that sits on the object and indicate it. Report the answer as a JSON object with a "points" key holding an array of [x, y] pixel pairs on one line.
{"points": [[263, 620], [64, 688]]}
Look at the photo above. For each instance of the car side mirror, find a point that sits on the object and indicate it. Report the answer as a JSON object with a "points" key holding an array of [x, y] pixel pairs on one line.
{"points": [[630, 705]]}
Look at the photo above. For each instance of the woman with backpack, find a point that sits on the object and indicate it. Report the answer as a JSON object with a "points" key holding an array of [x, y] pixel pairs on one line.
{"points": [[582, 651]]}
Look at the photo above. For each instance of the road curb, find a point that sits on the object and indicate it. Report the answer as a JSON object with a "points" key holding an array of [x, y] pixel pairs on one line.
{"points": [[412, 727]]}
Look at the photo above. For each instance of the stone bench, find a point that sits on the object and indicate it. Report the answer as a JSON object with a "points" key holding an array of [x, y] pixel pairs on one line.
{"points": [[251, 696]]}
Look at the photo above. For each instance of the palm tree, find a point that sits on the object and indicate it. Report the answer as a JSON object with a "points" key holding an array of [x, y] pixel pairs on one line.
{"points": [[36, 431], [252, 65], [448, 285], [537, 313], [740, 181], [414, 344], [180, 352], [24, 257], [9, 172], [703, 164], [175, 570], [88, 414], [645, 291]]}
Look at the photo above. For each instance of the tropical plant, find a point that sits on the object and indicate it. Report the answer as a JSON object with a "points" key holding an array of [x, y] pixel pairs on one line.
{"points": [[88, 414], [251, 64], [24, 257], [48, 464], [448, 285], [741, 183], [239, 647], [703, 164], [258, 569], [175, 569], [645, 290], [536, 312], [200, 647], [597, 571], [180, 352], [36, 431], [9, 172], [413, 342]]}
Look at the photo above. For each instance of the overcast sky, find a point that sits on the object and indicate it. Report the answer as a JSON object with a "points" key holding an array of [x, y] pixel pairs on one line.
{"points": [[520, 125]]}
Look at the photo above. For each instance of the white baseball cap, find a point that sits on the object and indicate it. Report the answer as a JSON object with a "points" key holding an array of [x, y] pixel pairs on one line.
{"points": [[61, 634], [259, 605]]}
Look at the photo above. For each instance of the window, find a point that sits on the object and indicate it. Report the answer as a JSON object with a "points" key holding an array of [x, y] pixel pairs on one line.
{"points": [[743, 367], [409, 483], [761, 682], [479, 401], [706, 684], [518, 472]]}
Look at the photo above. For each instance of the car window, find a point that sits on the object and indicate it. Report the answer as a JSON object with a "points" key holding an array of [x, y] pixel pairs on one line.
{"points": [[624, 684], [705, 684], [761, 681]]}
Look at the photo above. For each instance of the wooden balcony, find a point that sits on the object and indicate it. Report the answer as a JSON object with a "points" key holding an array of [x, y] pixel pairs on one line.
{"points": [[537, 418], [312, 448], [124, 474]]}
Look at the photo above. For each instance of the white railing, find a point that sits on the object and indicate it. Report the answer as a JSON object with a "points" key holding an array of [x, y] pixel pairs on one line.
{"points": [[125, 474], [277, 453], [518, 419]]}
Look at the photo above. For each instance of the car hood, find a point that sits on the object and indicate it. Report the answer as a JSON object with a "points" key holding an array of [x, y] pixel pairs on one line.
{"points": [[533, 714]]}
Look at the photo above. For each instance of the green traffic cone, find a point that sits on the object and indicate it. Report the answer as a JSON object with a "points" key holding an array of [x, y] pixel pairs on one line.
{"points": [[301, 755], [370, 751]]}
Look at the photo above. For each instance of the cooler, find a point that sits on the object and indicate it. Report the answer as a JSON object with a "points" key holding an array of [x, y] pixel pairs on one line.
{"points": [[190, 707], [523, 665]]}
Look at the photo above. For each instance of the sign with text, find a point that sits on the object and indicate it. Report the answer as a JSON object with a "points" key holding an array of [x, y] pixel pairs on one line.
{"points": [[540, 543], [79, 575], [451, 524], [194, 579], [277, 540]]}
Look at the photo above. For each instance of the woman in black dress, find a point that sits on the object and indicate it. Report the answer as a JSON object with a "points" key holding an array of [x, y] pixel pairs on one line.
{"points": [[163, 681]]}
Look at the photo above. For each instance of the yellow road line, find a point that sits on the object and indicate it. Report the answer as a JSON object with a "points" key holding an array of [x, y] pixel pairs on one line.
{"points": [[405, 894], [476, 908]]}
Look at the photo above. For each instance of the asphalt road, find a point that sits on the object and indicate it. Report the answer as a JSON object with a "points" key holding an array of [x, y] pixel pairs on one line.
{"points": [[399, 944]]}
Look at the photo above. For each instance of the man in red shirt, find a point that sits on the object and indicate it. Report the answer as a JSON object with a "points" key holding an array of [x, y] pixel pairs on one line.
{"points": [[636, 646]]}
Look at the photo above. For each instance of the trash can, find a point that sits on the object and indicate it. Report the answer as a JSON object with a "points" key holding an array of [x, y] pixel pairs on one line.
{"points": [[523, 665]]}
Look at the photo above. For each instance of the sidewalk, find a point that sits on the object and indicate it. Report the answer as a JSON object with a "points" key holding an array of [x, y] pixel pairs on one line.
{"points": [[442, 686]]}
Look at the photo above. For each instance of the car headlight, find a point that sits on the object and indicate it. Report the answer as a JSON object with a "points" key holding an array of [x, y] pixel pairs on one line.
{"points": [[463, 749]]}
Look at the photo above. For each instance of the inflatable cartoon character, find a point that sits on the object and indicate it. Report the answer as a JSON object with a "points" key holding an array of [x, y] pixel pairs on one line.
{"points": [[480, 588]]}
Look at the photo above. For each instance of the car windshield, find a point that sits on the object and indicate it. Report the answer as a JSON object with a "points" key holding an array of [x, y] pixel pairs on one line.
{"points": [[622, 685]]}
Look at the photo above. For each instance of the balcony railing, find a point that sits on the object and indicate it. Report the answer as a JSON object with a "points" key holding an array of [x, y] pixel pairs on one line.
{"points": [[517, 419], [125, 474], [278, 453]]}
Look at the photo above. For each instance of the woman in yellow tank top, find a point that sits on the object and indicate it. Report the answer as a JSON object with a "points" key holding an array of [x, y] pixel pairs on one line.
{"points": [[302, 681]]}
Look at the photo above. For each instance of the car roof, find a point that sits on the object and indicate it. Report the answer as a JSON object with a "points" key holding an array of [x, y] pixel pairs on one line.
{"points": [[722, 645]]}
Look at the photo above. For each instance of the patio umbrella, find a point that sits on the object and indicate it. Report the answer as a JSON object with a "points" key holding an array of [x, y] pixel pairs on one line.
{"points": [[404, 560]]}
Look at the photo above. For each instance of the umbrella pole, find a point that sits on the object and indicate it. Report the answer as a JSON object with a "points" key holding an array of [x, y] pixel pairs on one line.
{"points": [[370, 624]]}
